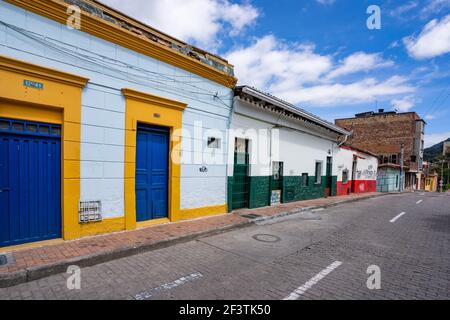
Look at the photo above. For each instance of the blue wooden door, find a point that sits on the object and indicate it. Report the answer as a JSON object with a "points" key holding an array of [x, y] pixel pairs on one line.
{"points": [[152, 173], [30, 182]]}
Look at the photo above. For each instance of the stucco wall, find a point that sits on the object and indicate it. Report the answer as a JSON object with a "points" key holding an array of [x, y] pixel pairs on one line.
{"points": [[366, 171], [111, 68]]}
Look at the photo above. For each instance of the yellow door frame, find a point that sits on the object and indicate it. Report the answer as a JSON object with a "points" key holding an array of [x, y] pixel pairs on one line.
{"points": [[56, 99], [146, 108]]}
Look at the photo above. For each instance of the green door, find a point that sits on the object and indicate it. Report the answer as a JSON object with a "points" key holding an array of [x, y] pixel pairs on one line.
{"points": [[241, 180], [329, 177]]}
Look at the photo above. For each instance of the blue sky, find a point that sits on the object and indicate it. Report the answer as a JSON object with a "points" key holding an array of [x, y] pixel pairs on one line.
{"points": [[320, 54]]}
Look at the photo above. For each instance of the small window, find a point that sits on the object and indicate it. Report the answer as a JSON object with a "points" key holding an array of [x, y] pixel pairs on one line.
{"points": [[18, 127], [4, 125], [44, 130], [277, 170], [33, 128], [413, 158], [394, 159], [319, 170], [213, 143], [305, 178], [56, 131], [345, 176]]}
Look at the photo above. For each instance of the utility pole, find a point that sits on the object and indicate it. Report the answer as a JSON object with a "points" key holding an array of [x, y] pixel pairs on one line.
{"points": [[441, 183], [401, 166]]}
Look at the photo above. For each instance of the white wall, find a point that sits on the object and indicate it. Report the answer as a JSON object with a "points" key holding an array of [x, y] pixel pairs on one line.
{"points": [[299, 148], [103, 106], [367, 165]]}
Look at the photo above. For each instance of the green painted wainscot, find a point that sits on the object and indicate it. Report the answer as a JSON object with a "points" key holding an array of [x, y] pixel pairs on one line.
{"points": [[293, 190]]}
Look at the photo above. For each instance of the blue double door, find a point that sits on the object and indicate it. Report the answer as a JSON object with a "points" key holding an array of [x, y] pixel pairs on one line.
{"points": [[152, 172], [30, 182]]}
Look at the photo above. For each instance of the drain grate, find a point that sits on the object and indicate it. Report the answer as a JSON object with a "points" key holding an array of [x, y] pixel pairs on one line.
{"points": [[3, 260], [251, 216]]}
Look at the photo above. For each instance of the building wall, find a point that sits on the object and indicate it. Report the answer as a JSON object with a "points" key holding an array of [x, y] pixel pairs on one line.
{"points": [[110, 68], [387, 180], [365, 175], [298, 151], [383, 134]]}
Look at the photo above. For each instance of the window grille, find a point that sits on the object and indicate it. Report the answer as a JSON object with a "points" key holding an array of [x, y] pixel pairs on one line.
{"points": [[90, 211]]}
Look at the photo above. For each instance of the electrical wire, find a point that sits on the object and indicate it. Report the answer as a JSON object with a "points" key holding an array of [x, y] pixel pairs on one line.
{"points": [[89, 59]]}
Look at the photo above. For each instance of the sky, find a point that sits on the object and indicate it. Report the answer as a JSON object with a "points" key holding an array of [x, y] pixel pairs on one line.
{"points": [[320, 54]]}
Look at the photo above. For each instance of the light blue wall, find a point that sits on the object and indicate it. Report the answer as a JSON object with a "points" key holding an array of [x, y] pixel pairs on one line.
{"points": [[387, 180], [53, 45]]}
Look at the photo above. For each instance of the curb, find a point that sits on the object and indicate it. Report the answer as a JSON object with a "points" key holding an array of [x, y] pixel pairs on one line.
{"points": [[43, 271]]}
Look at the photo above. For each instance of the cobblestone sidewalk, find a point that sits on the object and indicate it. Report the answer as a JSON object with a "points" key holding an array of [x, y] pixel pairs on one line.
{"points": [[35, 263]]}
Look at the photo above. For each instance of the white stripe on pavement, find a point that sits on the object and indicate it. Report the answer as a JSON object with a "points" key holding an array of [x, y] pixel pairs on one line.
{"points": [[419, 202], [308, 285], [398, 217]]}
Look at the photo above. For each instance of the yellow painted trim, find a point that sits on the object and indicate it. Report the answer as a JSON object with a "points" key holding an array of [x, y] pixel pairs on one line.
{"points": [[14, 110], [33, 245], [105, 226], [57, 11], [150, 223], [187, 214], [60, 99], [153, 100], [40, 72], [143, 107]]}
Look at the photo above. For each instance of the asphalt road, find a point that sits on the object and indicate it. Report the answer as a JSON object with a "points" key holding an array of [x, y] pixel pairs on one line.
{"points": [[314, 255]]}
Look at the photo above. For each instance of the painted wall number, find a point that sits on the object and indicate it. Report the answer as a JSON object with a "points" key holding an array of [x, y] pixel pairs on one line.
{"points": [[203, 169], [33, 84]]}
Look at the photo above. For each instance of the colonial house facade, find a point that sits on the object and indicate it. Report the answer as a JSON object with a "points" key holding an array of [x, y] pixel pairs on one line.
{"points": [[356, 171], [279, 153], [97, 123]]}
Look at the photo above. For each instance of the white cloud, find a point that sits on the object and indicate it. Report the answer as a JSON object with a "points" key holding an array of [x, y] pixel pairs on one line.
{"points": [[300, 75], [404, 104], [271, 61], [430, 117], [434, 6], [402, 9], [358, 62], [435, 138], [433, 41], [196, 21], [361, 91]]}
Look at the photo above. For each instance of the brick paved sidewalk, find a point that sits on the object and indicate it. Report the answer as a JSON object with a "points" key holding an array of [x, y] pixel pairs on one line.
{"points": [[35, 263]]}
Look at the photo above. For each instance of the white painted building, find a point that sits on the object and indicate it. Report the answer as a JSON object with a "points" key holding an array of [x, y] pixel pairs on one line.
{"points": [[278, 152], [356, 171]]}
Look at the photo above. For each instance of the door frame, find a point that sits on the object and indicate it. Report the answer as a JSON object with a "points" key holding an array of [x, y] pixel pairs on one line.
{"points": [[58, 101], [153, 129], [24, 135], [247, 163], [153, 110], [329, 177]]}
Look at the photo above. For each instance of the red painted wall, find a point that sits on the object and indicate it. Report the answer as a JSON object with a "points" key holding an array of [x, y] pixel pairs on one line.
{"points": [[361, 186]]}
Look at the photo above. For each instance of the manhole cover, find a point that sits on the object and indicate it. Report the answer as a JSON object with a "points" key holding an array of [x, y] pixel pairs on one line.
{"points": [[266, 238], [251, 216], [3, 260]]}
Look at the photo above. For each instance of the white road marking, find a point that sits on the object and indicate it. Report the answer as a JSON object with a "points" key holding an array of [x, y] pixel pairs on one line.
{"points": [[419, 202], [308, 285], [149, 293], [398, 217]]}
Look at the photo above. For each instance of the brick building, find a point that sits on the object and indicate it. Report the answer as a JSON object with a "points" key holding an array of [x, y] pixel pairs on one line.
{"points": [[383, 133]]}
